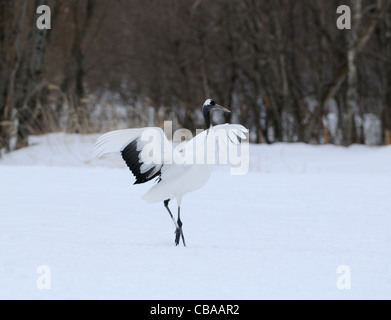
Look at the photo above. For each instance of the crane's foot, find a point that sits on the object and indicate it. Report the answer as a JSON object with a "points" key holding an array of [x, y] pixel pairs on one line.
{"points": [[179, 234]]}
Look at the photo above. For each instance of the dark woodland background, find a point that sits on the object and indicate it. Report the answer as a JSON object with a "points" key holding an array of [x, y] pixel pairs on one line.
{"points": [[283, 67]]}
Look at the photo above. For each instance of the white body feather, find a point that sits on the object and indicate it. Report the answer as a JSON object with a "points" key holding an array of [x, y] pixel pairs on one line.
{"points": [[176, 179]]}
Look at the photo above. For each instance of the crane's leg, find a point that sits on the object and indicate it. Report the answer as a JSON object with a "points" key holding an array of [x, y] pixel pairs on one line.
{"points": [[178, 231], [178, 226], [169, 211]]}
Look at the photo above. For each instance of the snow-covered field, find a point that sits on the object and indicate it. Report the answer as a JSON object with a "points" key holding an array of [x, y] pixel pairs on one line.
{"points": [[72, 227]]}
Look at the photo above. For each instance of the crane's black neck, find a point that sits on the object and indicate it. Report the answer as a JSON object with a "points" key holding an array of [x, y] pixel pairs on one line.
{"points": [[206, 112]]}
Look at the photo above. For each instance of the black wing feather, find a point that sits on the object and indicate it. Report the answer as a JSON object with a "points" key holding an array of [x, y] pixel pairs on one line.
{"points": [[131, 156]]}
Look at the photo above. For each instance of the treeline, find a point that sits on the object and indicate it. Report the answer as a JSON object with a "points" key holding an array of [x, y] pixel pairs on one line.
{"points": [[283, 67]]}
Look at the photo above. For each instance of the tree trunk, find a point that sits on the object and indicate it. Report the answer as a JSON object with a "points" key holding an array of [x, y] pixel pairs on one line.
{"points": [[386, 117], [32, 75], [6, 18], [73, 83], [351, 93], [16, 60]]}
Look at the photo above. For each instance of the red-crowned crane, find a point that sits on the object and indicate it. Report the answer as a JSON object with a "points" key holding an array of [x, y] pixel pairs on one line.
{"points": [[179, 170]]}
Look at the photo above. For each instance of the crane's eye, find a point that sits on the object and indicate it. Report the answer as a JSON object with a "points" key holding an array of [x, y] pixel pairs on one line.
{"points": [[212, 102]]}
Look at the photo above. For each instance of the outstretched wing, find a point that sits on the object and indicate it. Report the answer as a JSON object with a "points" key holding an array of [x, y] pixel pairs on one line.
{"points": [[233, 132], [142, 149], [216, 140]]}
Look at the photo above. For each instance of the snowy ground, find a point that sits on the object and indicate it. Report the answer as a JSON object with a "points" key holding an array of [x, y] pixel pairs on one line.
{"points": [[279, 232]]}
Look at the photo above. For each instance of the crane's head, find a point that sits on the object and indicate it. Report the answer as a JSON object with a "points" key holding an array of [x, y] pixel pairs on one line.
{"points": [[211, 104]]}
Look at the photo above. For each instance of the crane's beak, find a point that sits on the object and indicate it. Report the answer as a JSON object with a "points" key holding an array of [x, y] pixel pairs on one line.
{"points": [[221, 108]]}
